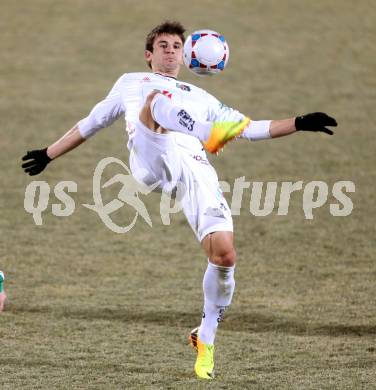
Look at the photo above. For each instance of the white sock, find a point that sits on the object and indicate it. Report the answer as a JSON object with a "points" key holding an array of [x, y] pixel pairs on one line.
{"points": [[172, 117], [219, 286]]}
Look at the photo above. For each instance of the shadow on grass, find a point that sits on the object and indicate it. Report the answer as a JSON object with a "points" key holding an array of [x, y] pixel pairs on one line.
{"points": [[253, 322]]}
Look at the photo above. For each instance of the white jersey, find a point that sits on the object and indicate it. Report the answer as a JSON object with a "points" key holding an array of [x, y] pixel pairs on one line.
{"points": [[129, 94]]}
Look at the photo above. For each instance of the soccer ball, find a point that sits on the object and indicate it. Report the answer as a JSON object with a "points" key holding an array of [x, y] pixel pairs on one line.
{"points": [[206, 52]]}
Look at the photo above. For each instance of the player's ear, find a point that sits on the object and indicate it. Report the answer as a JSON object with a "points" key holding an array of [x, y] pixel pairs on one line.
{"points": [[148, 55]]}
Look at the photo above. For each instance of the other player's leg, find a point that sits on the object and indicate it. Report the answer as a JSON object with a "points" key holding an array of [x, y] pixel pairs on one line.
{"points": [[3, 295]]}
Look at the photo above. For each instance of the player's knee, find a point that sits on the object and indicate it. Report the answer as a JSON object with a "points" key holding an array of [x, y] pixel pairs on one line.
{"points": [[147, 105], [145, 116], [219, 248], [224, 258], [150, 97]]}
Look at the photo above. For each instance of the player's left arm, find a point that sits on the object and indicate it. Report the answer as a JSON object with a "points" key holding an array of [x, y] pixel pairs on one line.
{"points": [[316, 121], [265, 129]]}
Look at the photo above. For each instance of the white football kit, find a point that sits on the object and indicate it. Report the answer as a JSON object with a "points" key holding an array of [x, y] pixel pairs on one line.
{"points": [[174, 158]]}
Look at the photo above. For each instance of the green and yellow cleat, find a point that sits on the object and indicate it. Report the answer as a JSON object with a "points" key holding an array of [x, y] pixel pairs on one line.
{"points": [[204, 366], [223, 132]]}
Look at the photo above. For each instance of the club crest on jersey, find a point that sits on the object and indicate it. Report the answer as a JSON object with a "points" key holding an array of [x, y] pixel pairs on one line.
{"points": [[183, 87]]}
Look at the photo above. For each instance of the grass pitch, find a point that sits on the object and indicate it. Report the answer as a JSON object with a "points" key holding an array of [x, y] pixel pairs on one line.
{"points": [[91, 309]]}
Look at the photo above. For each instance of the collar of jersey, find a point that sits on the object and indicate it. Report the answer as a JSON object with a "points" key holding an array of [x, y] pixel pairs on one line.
{"points": [[170, 77]]}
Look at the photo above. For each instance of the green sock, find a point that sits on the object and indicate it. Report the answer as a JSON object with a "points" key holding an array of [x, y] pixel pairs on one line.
{"points": [[1, 281]]}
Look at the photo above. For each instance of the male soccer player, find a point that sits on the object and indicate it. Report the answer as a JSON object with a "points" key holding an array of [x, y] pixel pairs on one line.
{"points": [[166, 120], [3, 295]]}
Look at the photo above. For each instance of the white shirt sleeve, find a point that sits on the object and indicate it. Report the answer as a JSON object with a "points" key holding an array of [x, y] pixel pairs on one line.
{"points": [[104, 113]]}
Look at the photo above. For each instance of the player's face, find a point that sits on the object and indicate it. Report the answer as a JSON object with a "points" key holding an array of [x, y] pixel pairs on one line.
{"points": [[167, 55]]}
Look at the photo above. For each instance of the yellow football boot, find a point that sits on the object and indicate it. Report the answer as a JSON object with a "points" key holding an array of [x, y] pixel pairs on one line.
{"points": [[223, 132], [204, 366]]}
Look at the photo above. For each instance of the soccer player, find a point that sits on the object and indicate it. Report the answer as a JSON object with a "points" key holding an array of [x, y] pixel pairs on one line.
{"points": [[166, 119], [3, 295]]}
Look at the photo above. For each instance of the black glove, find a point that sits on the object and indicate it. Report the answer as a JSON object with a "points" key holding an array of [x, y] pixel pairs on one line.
{"points": [[315, 121], [37, 161]]}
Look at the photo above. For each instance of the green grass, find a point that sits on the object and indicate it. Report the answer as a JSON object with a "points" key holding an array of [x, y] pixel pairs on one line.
{"points": [[91, 309]]}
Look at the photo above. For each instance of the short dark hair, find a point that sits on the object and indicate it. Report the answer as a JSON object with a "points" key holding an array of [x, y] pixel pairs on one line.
{"points": [[167, 27]]}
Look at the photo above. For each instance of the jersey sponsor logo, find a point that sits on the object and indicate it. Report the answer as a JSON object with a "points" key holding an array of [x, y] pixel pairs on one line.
{"points": [[185, 120], [183, 87], [146, 79]]}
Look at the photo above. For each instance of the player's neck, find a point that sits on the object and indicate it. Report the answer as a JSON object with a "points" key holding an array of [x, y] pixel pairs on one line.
{"points": [[166, 74]]}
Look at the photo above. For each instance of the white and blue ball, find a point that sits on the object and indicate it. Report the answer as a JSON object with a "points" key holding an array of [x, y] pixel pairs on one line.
{"points": [[206, 52]]}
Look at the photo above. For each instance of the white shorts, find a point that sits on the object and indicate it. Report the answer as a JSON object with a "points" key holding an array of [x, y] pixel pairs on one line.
{"points": [[166, 158]]}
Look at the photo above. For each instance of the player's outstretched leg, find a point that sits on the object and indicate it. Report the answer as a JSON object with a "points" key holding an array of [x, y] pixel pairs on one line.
{"points": [[172, 117], [214, 135]]}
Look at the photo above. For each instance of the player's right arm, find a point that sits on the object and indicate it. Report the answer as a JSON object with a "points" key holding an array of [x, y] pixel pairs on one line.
{"points": [[69, 141], [102, 115]]}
